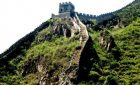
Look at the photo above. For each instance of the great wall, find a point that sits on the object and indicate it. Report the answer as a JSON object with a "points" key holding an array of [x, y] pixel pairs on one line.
{"points": [[67, 9]]}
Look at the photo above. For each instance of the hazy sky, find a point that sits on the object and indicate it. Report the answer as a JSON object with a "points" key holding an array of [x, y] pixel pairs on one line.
{"points": [[19, 17]]}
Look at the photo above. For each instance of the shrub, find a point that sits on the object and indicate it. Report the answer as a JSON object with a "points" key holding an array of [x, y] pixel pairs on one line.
{"points": [[114, 65], [94, 76], [111, 80]]}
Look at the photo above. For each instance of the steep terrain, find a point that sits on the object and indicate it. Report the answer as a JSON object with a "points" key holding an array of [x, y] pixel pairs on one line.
{"points": [[64, 51], [120, 18], [119, 54], [57, 55]]}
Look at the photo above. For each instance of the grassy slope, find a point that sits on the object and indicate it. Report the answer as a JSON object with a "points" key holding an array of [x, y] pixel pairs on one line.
{"points": [[57, 52], [128, 39], [127, 70]]}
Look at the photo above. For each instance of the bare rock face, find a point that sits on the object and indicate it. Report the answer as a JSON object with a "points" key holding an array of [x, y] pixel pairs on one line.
{"points": [[70, 27], [106, 41]]}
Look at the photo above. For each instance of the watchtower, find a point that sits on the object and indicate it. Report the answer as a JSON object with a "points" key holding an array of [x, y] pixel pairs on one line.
{"points": [[66, 7]]}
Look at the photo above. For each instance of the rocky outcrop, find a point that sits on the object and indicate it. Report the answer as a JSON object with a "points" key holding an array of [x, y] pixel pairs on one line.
{"points": [[70, 27], [107, 43], [106, 40]]}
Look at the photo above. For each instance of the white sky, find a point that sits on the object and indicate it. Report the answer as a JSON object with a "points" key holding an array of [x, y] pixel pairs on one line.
{"points": [[19, 17]]}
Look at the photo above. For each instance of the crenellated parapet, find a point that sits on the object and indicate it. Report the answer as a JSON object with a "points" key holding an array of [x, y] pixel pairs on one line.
{"points": [[66, 7], [85, 17], [66, 3]]}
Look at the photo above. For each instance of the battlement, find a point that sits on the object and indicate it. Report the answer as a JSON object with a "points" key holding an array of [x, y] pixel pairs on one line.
{"points": [[66, 7], [66, 3], [85, 17]]}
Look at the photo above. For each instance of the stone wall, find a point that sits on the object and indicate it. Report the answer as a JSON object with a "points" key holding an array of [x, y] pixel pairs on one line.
{"points": [[85, 17], [67, 10], [64, 15], [66, 7]]}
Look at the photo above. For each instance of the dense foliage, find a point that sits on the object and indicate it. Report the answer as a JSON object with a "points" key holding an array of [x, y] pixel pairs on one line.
{"points": [[108, 70]]}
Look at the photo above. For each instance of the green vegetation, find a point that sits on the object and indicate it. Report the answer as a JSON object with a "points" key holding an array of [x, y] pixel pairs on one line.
{"points": [[57, 54], [125, 16], [129, 13], [118, 72], [59, 48], [47, 47]]}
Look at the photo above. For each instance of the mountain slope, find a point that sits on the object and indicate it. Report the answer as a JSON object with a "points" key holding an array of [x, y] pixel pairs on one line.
{"points": [[55, 55], [63, 51], [120, 64], [125, 16], [129, 13]]}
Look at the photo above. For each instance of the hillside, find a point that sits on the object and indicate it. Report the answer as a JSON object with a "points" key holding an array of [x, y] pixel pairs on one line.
{"points": [[124, 16], [64, 51], [129, 13], [55, 55], [121, 63]]}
